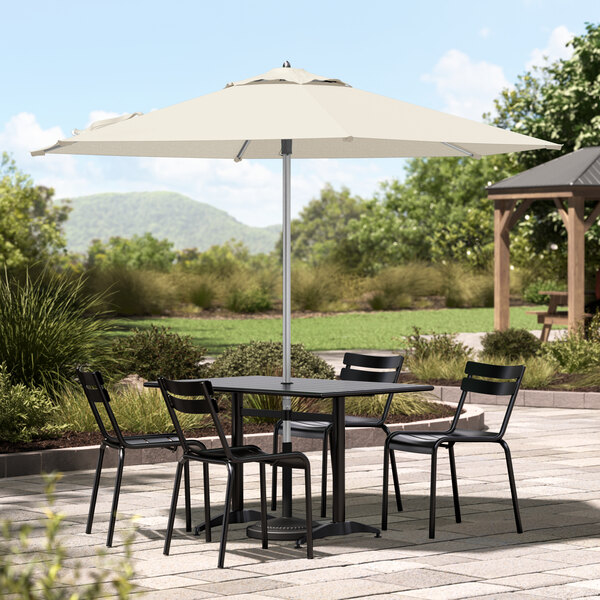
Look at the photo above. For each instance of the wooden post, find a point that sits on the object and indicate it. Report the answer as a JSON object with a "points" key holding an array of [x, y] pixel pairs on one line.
{"points": [[502, 212], [576, 261]]}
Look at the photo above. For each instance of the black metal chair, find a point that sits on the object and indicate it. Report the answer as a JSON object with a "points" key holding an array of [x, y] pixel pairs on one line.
{"points": [[389, 368], [196, 397], [97, 395], [478, 380]]}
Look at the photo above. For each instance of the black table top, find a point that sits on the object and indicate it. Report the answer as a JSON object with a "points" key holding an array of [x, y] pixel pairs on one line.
{"points": [[310, 388]]}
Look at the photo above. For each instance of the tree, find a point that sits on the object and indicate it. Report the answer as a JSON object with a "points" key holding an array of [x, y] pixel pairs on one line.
{"points": [[319, 234], [558, 102], [138, 252], [440, 213], [30, 225]]}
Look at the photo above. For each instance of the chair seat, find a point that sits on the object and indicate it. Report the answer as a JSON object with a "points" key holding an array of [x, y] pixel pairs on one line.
{"points": [[250, 453], [150, 441], [423, 442], [319, 428]]}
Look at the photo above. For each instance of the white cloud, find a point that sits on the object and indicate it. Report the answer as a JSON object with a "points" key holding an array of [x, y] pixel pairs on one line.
{"points": [[467, 87], [249, 190], [556, 48]]}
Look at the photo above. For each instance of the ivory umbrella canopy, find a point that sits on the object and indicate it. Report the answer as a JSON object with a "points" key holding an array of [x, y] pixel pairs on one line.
{"points": [[289, 112]]}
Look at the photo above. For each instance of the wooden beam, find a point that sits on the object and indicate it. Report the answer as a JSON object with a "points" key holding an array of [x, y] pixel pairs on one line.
{"points": [[507, 211], [502, 211], [592, 217], [562, 211], [519, 212], [576, 261]]}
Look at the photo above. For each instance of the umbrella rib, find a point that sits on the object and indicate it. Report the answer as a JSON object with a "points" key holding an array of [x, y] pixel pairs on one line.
{"points": [[240, 154], [458, 148]]}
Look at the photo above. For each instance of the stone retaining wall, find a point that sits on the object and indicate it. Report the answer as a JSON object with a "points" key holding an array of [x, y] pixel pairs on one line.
{"points": [[86, 457]]}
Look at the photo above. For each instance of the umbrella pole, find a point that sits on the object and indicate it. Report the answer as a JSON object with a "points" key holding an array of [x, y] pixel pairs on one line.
{"points": [[286, 153]]}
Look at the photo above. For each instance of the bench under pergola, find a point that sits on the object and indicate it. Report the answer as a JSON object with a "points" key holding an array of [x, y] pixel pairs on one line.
{"points": [[570, 181]]}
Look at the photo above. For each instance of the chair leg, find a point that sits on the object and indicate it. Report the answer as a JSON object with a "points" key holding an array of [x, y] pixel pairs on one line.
{"points": [[263, 506], [513, 487], [226, 510], [115, 502], [274, 474], [394, 474], [207, 527], [174, 498], [88, 528], [432, 494], [309, 520], [454, 483], [386, 480], [188, 499], [324, 477]]}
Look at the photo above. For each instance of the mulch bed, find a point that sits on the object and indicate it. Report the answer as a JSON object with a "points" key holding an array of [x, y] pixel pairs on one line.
{"points": [[72, 439]]}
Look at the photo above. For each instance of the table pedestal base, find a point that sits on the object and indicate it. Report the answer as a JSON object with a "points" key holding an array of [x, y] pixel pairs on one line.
{"points": [[291, 528]]}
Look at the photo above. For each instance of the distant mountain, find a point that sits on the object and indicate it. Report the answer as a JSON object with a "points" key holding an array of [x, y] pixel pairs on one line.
{"points": [[178, 218]]}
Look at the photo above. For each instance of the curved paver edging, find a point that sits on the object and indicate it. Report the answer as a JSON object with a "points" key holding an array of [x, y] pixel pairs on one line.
{"points": [[86, 457]]}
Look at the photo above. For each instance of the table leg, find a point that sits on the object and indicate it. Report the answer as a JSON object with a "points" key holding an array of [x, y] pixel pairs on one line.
{"points": [[238, 514], [339, 525]]}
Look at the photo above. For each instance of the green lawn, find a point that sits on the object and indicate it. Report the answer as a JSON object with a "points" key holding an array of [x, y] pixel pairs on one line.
{"points": [[377, 330]]}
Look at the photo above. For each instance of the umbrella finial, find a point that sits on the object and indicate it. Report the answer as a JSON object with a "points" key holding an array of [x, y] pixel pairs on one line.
{"points": [[286, 64]]}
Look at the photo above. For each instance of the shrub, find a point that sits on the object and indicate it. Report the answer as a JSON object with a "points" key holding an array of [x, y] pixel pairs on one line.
{"points": [[315, 288], [266, 358], [48, 325], [539, 371], [511, 344], [134, 292], [442, 345], [25, 413], [436, 366], [396, 287], [531, 292], [251, 300], [44, 574], [402, 404], [157, 351], [575, 353]]}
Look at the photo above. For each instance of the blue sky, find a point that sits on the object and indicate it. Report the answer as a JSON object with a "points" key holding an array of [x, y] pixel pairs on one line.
{"points": [[67, 63]]}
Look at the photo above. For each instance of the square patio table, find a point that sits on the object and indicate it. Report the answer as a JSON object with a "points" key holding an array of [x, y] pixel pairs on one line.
{"points": [[287, 527]]}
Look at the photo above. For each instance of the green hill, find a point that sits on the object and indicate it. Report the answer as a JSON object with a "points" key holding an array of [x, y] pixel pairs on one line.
{"points": [[178, 218]]}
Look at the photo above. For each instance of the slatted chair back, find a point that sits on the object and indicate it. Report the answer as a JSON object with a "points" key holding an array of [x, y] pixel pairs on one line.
{"points": [[494, 380], [97, 395], [192, 397], [388, 371]]}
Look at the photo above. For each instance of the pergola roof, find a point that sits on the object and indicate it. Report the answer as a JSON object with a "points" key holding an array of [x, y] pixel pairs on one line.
{"points": [[577, 172]]}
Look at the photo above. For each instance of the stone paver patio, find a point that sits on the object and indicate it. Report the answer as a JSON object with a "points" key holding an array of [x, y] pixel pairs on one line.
{"points": [[557, 467]]}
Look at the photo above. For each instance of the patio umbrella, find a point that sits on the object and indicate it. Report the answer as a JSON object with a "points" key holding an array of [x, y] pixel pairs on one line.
{"points": [[289, 112]]}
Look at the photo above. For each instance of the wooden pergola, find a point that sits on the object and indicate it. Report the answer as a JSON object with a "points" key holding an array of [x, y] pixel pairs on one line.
{"points": [[570, 181]]}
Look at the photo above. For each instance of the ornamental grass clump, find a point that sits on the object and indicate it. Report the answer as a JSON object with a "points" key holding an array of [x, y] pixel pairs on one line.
{"points": [[438, 356], [49, 325]]}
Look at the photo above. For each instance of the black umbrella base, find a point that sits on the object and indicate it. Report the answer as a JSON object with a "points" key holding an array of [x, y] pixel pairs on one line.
{"points": [[280, 529]]}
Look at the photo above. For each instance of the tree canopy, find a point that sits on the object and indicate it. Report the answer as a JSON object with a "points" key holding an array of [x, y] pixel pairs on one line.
{"points": [[138, 252], [31, 226]]}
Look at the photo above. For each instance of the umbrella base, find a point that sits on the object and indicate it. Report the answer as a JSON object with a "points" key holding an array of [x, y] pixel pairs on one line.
{"points": [[280, 529]]}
